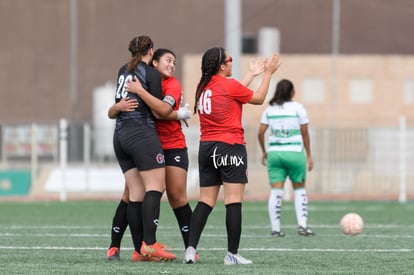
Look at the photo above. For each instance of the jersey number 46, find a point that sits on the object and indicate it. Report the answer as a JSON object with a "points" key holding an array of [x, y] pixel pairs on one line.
{"points": [[204, 103]]}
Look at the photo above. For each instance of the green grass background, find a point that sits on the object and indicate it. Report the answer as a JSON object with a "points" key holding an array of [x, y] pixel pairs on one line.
{"points": [[72, 238]]}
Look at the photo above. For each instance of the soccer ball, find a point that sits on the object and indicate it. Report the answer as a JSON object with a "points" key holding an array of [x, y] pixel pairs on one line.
{"points": [[352, 224]]}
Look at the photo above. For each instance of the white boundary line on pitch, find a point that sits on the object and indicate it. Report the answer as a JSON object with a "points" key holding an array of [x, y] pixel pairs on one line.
{"points": [[167, 227], [206, 235], [403, 250]]}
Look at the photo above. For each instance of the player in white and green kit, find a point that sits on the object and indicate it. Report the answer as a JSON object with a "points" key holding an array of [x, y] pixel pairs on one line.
{"points": [[287, 154]]}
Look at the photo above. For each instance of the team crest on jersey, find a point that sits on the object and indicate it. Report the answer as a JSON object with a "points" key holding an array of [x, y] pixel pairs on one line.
{"points": [[160, 158]]}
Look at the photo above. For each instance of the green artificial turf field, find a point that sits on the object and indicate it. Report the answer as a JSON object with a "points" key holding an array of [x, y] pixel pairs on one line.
{"points": [[72, 238]]}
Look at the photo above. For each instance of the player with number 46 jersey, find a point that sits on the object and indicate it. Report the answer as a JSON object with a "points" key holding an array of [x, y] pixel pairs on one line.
{"points": [[222, 156]]}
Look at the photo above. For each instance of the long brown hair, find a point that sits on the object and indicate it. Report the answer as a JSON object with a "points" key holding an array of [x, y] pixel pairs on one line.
{"points": [[210, 64], [138, 47], [283, 93]]}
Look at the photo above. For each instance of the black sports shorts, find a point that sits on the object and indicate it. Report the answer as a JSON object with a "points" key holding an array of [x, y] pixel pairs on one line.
{"points": [[176, 157], [136, 145], [219, 161]]}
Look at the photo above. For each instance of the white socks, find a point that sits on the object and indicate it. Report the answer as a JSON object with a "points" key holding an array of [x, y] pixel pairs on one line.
{"points": [[301, 207], [274, 206]]}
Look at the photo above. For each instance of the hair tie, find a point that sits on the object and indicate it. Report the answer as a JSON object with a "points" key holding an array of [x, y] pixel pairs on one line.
{"points": [[219, 60], [150, 46]]}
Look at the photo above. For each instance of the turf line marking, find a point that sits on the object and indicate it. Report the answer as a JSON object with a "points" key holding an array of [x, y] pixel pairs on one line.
{"points": [[205, 235], [162, 227], [403, 250]]}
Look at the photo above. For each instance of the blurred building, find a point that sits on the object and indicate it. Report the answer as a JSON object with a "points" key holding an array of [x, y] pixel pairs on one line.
{"points": [[36, 58], [355, 76]]}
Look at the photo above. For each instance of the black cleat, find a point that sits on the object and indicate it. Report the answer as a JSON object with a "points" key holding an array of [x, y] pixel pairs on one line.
{"points": [[278, 233], [305, 231]]}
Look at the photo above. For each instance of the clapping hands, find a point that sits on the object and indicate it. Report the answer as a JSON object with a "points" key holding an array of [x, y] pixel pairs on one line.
{"points": [[273, 63], [256, 66]]}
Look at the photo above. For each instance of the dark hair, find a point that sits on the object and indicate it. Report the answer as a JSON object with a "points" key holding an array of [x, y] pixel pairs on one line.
{"points": [[138, 47], [210, 64], [283, 93], [161, 52]]}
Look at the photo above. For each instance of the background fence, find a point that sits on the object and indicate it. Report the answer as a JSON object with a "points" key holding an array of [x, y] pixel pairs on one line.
{"points": [[350, 163]]}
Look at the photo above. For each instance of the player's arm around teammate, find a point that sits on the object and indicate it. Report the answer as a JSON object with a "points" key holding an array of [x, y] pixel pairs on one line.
{"points": [[162, 109], [171, 136], [124, 105]]}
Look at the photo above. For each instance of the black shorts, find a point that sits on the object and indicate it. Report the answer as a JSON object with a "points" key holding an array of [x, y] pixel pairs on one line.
{"points": [[136, 145], [176, 157], [219, 161]]}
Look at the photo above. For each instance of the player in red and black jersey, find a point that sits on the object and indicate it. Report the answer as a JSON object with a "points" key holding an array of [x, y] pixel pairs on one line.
{"points": [[222, 156], [171, 136], [173, 142]]}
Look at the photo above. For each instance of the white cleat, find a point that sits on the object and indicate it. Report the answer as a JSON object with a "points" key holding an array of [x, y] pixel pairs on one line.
{"points": [[231, 258], [190, 255]]}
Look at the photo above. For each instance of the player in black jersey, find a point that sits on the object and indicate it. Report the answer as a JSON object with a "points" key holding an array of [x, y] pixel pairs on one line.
{"points": [[140, 155]]}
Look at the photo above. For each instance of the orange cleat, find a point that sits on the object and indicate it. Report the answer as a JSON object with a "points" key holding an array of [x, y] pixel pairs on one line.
{"points": [[113, 254], [164, 246], [137, 257], [156, 250]]}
